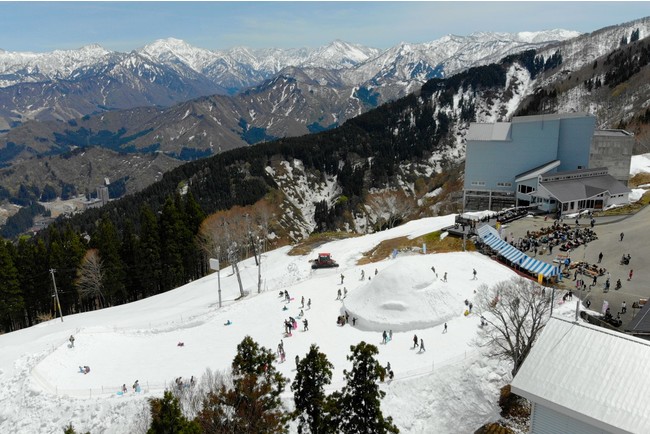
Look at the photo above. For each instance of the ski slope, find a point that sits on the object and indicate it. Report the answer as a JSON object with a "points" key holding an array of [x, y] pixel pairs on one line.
{"points": [[449, 388]]}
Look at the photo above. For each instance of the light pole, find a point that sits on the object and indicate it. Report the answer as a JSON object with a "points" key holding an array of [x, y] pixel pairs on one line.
{"points": [[56, 294]]}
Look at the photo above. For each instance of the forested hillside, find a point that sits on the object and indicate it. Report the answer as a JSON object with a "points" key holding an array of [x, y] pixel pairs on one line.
{"points": [[408, 151]]}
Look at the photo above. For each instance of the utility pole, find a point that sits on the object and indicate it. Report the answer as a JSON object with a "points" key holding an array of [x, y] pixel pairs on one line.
{"points": [[56, 294], [259, 265]]}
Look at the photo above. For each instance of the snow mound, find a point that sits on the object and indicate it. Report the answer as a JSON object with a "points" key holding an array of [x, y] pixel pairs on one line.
{"points": [[405, 296]]}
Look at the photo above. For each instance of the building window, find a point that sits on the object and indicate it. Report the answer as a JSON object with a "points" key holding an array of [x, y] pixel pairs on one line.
{"points": [[479, 183], [524, 189], [504, 184]]}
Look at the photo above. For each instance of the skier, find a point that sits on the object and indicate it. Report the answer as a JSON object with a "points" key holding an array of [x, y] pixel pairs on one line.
{"points": [[338, 294], [434, 270], [280, 346], [363, 275], [71, 341], [390, 375], [297, 361], [354, 321], [376, 271], [286, 296], [390, 335], [345, 292], [124, 389], [342, 277], [444, 278], [415, 341], [309, 304], [422, 345], [283, 356], [445, 330], [302, 302], [474, 273], [136, 386], [388, 366], [305, 325], [384, 337]]}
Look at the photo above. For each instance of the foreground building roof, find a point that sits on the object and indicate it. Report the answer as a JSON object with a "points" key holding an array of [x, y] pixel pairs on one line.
{"points": [[590, 374]]}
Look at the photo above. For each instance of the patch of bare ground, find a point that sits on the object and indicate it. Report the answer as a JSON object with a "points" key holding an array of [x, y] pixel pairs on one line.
{"points": [[432, 240]]}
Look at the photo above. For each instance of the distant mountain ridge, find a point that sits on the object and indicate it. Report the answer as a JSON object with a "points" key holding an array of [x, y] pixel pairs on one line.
{"points": [[90, 80]]}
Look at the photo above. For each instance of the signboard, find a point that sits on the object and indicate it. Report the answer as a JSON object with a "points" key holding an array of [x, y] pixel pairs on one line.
{"points": [[540, 278], [214, 264]]}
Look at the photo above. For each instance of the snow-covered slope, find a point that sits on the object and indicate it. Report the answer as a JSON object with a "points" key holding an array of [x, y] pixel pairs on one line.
{"points": [[450, 388]]}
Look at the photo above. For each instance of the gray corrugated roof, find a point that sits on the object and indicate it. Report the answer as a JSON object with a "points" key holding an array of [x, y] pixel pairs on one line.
{"points": [[487, 132], [550, 117], [539, 170], [584, 188], [577, 171], [612, 133], [589, 373]]}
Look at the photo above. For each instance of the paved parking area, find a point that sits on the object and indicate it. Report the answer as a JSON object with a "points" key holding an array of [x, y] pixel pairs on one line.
{"points": [[636, 242]]}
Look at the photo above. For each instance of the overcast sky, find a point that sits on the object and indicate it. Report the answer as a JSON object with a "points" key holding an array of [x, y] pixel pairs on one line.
{"points": [[124, 26]]}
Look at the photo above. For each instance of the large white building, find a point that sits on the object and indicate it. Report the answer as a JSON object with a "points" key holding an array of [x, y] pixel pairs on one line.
{"points": [[506, 162], [583, 379]]}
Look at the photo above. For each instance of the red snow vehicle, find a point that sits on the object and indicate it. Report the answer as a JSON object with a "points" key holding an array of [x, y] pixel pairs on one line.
{"points": [[324, 260]]}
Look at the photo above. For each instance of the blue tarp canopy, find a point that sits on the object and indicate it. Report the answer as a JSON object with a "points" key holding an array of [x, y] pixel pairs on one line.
{"points": [[491, 237]]}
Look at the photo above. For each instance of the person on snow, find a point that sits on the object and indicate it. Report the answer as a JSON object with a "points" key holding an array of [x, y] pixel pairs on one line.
{"points": [[384, 337], [283, 355], [305, 325], [345, 292], [363, 275], [136, 386], [422, 345], [342, 277], [302, 302], [286, 296], [390, 335], [309, 304], [388, 366], [71, 341], [415, 341], [445, 329], [297, 361], [444, 278], [354, 320], [347, 317], [391, 375], [301, 314], [86, 369], [434, 270], [474, 273], [280, 346], [338, 294], [192, 381], [124, 389]]}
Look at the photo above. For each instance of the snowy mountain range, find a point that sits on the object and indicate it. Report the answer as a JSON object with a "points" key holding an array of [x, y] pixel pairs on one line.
{"points": [[92, 79]]}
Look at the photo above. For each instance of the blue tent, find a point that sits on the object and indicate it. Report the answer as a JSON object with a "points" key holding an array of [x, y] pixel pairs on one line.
{"points": [[491, 237]]}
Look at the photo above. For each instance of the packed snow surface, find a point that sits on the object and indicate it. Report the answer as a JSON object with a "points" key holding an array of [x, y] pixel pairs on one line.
{"points": [[449, 388], [640, 164]]}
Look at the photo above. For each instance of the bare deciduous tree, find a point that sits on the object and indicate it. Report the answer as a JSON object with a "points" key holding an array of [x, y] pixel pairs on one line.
{"points": [[90, 277], [515, 310], [390, 207]]}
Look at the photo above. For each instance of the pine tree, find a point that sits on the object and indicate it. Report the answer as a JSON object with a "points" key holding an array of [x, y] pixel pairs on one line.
{"points": [[359, 402], [11, 298], [252, 404], [107, 240], [314, 372], [167, 418], [149, 265], [172, 233]]}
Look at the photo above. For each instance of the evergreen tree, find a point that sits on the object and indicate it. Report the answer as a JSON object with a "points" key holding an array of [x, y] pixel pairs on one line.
{"points": [[34, 278], [128, 252], [106, 239], [252, 404], [172, 235], [11, 298], [65, 253], [167, 418], [313, 373], [149, 265], [359, 402]]}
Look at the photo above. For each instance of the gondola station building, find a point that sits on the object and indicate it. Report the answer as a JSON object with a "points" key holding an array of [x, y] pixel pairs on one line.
{"points": [[558, 162]]}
